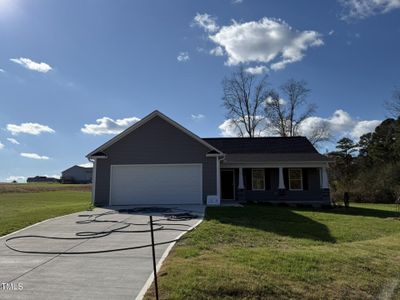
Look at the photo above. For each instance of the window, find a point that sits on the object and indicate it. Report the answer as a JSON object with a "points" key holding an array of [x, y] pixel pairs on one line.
{"points": [[258, 179], [295, 179]]}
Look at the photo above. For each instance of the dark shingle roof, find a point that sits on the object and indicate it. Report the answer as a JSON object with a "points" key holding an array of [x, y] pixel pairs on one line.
{"points": [[274, 157], [264, 149], [262, 145]]}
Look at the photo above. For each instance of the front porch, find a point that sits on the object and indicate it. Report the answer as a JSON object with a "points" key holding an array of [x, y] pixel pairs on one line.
{"points": [[305, 184]]}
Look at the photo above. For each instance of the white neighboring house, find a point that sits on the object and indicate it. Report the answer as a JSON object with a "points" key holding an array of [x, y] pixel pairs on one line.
{"points": [[77, 174]]}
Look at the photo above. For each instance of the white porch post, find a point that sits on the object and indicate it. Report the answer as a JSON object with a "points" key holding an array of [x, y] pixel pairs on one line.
{"points": [[241, 184], [218, 179], [324, 178], [281, 184]]}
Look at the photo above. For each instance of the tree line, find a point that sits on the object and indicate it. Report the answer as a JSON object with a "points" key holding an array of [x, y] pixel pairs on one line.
{"points": [[367, 169]]}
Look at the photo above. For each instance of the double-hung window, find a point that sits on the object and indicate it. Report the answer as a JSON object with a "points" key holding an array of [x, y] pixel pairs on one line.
{"points": [[258, 179], [295, 179]]}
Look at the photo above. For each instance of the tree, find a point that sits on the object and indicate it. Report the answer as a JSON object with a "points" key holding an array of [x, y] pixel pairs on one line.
{"points": [[287, 113], [393, 105], [345, 167], [243, 98], [384, 144]]}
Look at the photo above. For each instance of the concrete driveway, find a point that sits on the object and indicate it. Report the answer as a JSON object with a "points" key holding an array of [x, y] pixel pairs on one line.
{"points": [[115, 275]]}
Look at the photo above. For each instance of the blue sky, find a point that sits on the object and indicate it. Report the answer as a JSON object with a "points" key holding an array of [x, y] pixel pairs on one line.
{"points": [[64, 64]]}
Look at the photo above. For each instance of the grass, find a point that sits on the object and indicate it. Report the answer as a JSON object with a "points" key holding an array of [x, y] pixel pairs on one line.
{"points": [[21, 209], [265, 252], [41, 187]]}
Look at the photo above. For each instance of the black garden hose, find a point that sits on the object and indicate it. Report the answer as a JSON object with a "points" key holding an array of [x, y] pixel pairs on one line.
{"points": [[169, 215]]}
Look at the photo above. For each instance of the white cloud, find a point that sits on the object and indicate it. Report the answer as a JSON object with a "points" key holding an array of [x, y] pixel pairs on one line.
{"points": [[1, 145], [32, 65], [361, 9], [281, 101], [183, 57], [107, 125], [206, 22], [16, 178], [257, 70], [28, 128], [86, 165], [331, 32], [197, 117], [229, 129], [237, 1], [363, 127], [269, 41], [340, 124], [13, 141], [217, 51], [34, 156], [2, 70]]}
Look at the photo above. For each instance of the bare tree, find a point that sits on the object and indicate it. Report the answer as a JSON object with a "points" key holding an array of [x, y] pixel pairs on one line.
{"points": [[288, 112], [393, 105], [243, 99], [320, 133]]}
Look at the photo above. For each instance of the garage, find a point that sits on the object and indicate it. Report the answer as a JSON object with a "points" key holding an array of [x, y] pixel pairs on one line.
{"points": [[156, 184]]}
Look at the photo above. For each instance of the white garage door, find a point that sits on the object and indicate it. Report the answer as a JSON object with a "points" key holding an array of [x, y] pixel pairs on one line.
{"points": [[156, 184]]}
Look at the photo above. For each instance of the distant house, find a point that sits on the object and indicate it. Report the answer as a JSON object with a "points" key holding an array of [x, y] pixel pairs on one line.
{"points": [[77, 174], [42, 179]]}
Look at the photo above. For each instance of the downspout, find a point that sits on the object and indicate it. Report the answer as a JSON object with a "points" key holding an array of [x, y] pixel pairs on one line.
{"points": [[94, 161]]}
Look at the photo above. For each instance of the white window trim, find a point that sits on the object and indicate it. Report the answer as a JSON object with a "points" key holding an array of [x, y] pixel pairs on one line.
{"points": [[301, 179], [252, 180]]}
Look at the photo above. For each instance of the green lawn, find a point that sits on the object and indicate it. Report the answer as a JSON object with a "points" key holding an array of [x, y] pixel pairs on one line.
{"points": [[18, 210], [265, 252]]}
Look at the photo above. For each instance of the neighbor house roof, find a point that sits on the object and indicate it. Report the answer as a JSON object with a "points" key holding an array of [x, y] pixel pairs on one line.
{"points": [[76, 166], [261, 149]]}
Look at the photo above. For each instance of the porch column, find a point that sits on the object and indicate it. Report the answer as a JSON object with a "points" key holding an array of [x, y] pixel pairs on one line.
{"points": [[218, 179], [324, 178], [281, 184], [241, 184]]}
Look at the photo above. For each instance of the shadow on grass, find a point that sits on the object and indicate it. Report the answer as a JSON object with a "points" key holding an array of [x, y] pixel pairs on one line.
{"points": [[362, 211], [280, 220]]}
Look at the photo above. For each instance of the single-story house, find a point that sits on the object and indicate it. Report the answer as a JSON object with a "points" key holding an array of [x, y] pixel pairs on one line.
{"points": [[158, 161], [77, 174], [42, 179]]}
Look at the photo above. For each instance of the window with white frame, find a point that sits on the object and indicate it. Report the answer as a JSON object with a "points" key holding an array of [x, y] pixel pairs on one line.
{"points": [[258, 179], [295, 179]]}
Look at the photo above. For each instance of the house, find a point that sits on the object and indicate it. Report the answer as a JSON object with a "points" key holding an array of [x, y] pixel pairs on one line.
{"points": [[158, 161], [41, 179], [77, 174]]}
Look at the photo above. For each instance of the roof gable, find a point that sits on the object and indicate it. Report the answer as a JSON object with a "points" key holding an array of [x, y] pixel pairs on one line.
{"points": [[146, 119]]}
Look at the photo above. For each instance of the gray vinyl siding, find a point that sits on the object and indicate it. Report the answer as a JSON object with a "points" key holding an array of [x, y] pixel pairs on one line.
{"points": [[311, 194], [155, 142]]}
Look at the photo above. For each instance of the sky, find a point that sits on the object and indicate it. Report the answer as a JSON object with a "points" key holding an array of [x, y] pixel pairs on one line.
{"points": [[75, 73]]}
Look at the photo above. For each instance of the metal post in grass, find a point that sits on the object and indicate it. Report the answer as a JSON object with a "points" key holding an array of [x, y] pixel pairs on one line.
{"points": [[154, 256]]}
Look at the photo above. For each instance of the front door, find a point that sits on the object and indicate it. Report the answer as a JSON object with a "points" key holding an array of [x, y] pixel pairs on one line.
{"points": [[227, 185]]}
